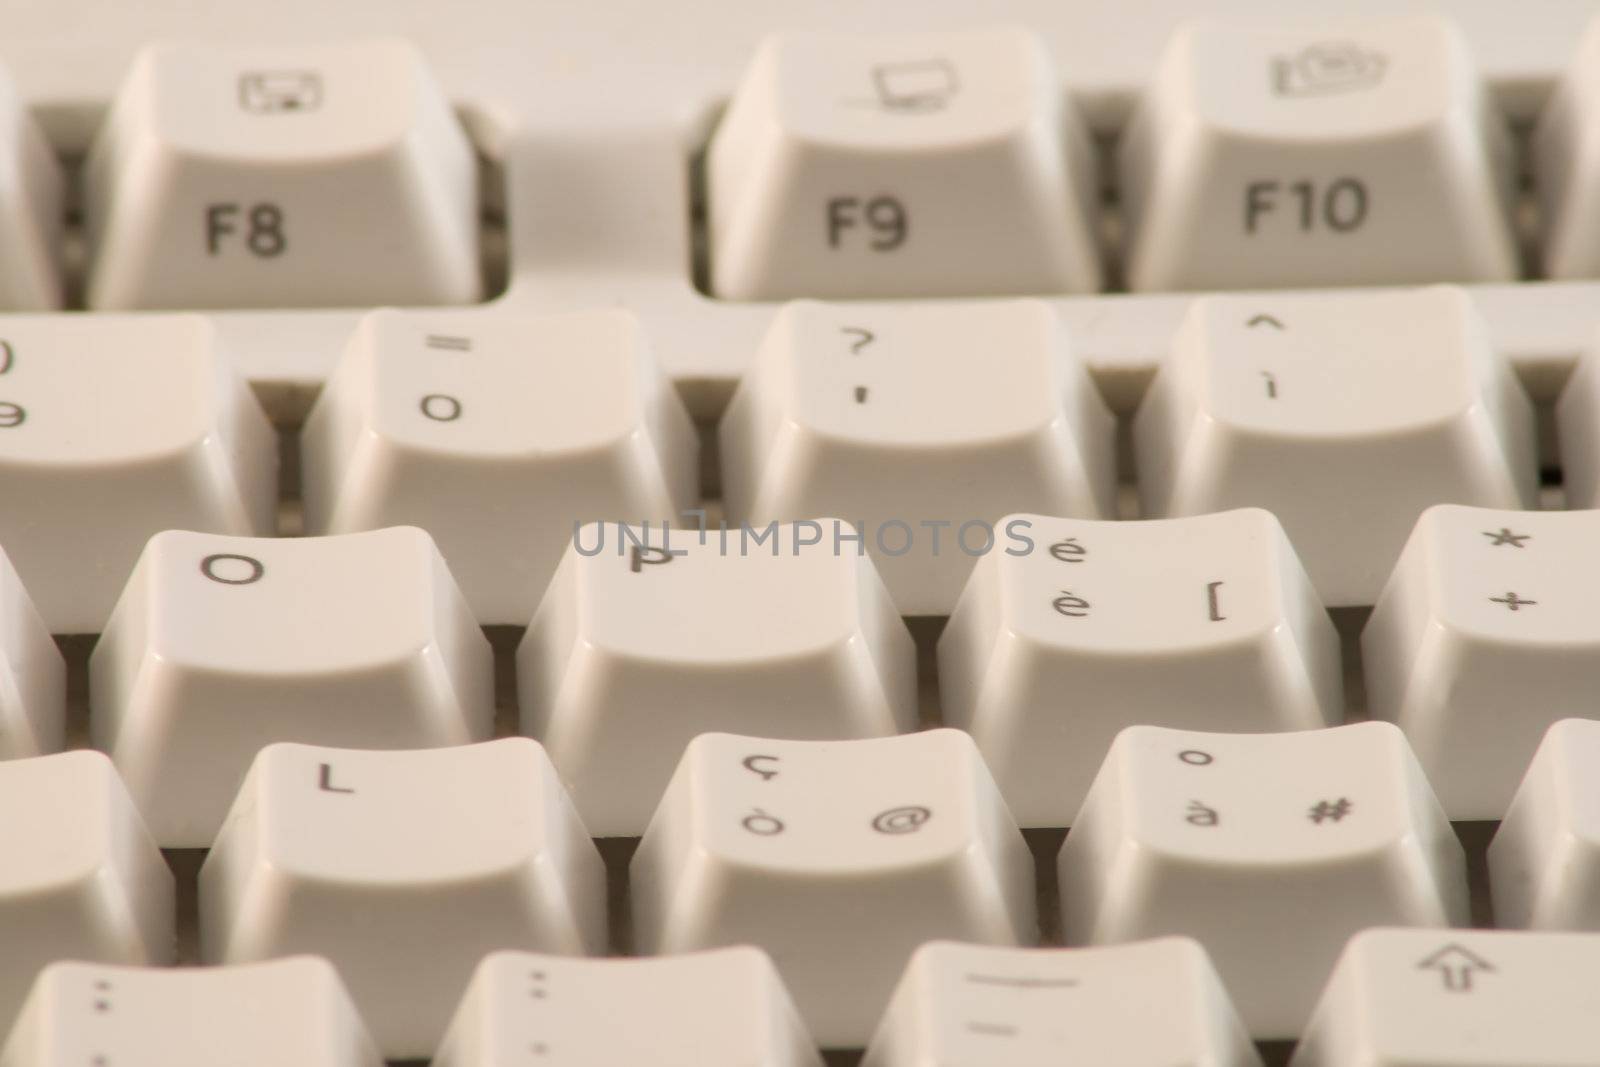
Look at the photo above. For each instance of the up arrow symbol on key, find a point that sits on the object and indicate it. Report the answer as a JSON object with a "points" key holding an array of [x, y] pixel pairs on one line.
{"points": [[1457, 966], [1264, 320]]}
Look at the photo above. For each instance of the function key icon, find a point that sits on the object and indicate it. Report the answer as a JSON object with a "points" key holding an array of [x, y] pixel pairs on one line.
{"points": [[276, 92], [915, 86], [1326, 68]]}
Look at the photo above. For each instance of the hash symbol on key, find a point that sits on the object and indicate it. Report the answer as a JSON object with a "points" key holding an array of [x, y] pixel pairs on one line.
{"points": [[1335, 810]]}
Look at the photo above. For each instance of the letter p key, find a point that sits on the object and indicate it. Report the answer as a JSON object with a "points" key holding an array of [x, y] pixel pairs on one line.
{"points": [[650, 556]]}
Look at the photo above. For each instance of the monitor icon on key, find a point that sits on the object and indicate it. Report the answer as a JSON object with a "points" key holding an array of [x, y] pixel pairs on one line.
{"points": [[917, 85], [276, 92]]}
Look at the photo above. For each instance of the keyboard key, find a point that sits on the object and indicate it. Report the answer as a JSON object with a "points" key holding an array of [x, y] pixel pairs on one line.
{"points": [[924, 424], [446, 855], [1155, 1002], [1270, 849], [1346, 416], [1078, 628], [263, 1015], [726, 1008], [1457, 999], [907, 164], [114, 429], [294, 176], [1578, 432], [1564, 149], [81, 878], [644, 642], [32, 209], [824, 852], [33, 676], [1362, 152], [1542, 861], [497, 434], [221, 645], [1484, 636]]}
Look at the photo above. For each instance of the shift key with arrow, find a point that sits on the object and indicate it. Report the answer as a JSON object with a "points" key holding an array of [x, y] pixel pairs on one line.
{"points": [[1459, 997], [1456, 966]]}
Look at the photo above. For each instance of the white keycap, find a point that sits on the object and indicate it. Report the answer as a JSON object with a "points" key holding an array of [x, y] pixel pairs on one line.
{"points": [[1077, 628], [81, 878], [1270, 849], [726, 1008], [1484, 636], [1311, 153], [1544, 861], [32, 210], [1345, 415], [33, 676], [837, 857], [1578, 431], [1475, 998], [221, 645], [290, 176], [263, 1015], [1154, 1002], [646, 640], [924, 424], [1565, 151], [907, 164], [113, 429], [498, 434], [445, 854]]}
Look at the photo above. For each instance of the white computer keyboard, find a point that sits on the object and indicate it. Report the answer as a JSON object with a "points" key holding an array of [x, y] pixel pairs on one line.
{"points": [[581, 535]]}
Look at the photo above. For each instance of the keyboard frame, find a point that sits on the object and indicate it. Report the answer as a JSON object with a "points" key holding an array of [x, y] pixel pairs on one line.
{"points": [[589, 118]]}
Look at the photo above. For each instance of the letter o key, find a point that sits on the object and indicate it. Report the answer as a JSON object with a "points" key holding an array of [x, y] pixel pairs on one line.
{"points": [[441, 407], [231, 569]]}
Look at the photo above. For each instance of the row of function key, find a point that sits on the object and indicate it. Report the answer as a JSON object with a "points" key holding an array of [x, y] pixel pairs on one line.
{"points": [[935, 164], [837, 858], [1315, 152], [1318, 151], [1344, 415], [1067, 632]]}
